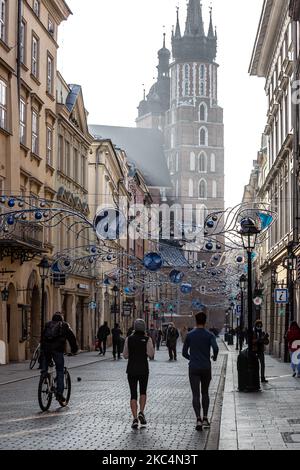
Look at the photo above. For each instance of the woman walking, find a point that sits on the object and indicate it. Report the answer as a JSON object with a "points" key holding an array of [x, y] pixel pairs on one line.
{"points": [[138, 348], [293, 339]]}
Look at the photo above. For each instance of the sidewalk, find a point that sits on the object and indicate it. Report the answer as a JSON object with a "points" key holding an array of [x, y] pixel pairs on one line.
{"points": [[16, 372], [262, 421]]}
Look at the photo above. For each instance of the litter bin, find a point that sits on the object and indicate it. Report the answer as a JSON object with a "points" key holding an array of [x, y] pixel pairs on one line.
{"points": [[230, 340], [226, 337], [248, 372]]}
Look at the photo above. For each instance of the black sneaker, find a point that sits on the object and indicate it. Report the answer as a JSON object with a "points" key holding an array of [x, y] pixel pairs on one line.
{"points": [[206, 423], [142, 419], [264, 381], [199, 426], [294, 374], [61, 400], [135, 424]]}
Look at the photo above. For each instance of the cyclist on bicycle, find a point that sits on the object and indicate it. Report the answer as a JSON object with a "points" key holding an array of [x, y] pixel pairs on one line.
{"points": [[55, 335]]}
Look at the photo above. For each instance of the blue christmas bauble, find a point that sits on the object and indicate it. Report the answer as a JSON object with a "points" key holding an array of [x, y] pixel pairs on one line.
{"points": [[153, 262]]}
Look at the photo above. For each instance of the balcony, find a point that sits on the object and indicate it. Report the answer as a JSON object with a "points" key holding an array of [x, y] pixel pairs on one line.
{"points": [[23, 242]]}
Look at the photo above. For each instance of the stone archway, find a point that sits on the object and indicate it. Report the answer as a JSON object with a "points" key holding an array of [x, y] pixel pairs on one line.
{"points": [[34, 300], [13, 324]]}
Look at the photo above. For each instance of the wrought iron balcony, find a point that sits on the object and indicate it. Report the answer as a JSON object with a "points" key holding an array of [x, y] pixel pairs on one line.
{"points": [[23, 241]]}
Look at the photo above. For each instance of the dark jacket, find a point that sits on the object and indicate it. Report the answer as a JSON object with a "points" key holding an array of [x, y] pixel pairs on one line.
{"points": [[58, 344], [260, 340], [116, 334], [172, 337], [103, 333], [197, 349]]}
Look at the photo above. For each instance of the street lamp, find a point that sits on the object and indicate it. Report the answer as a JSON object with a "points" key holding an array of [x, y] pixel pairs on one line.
{"points": [[115, 290], [249, 233], [147, 303], [242, 284], [44, 268]]}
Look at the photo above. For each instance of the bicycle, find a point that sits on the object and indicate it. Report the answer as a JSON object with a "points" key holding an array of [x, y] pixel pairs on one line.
{"points": [[48, 388], [35, 356]]}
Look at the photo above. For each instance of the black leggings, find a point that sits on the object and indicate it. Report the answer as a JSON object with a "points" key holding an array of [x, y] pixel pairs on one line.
{"points": [[133, 384], [202, 377]]}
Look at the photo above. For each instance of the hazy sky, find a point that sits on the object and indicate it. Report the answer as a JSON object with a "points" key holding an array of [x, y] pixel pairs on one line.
{"points": [[110, 48]]}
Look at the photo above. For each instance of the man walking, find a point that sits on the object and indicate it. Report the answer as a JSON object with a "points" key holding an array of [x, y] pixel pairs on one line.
{"points": [[102, 336], [260, 340], [172, 337], [197, 350], [117, 341], [153, 335]]}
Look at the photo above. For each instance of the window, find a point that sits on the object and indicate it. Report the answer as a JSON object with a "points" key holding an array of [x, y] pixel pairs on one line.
{"points": [[202, 189], [202, 81], [50, 74], [49, 145], [213, 163], [177, 162], [186, 85], [203, 163], [35, 133], [202, 72], [36, 7], [51, 27], [3, 20], [83, 171], [214, 189], [22, 121], [3, 104], [35, 56], [75, 164], [23, 41], [203, 112], [191, 188], [67, 158], [192, 162], [61, 153], [203, 137]]}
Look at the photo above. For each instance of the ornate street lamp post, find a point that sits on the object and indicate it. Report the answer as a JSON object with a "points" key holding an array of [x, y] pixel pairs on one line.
{"points": [[243, 282], [249, 233], [44, 268], [147, 303], [115, 290]]}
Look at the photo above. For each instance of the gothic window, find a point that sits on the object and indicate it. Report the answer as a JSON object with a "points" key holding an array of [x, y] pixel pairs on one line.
{"points": [[213, 163], [214, 189], [202, 189], [191, 188], [202, 72], [202, 163], [192, 162], [172, 138], [203, 137], [186, 82], [203, 112], [202, 81]]}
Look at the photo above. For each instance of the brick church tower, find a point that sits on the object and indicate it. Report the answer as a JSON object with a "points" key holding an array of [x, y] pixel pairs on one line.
{"points": [[183, 103]]}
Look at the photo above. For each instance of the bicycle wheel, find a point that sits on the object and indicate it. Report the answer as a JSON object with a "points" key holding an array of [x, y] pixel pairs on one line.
{"points": [[68, 386], [45, 392], [35, 357]]}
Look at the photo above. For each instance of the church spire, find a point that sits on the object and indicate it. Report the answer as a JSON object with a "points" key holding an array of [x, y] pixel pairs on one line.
{"points": [[194, 22], [211, 34], [177, 31]]}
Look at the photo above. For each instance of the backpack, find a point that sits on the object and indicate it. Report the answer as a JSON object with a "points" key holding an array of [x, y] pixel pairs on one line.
{"points": [[53, 330]]}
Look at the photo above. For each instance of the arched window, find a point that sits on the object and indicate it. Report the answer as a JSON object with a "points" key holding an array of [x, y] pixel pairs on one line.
{"points": [[191, 188], [203, 112], [193, 162], [203, 162], [214, 189], [202, 72], [213, 163], [186, 83], [203, 137], [202, 189], [172, 138], [202, 80]]}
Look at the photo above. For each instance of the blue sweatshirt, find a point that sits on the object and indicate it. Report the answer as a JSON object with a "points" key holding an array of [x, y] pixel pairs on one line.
{"points": [[197, 348]]}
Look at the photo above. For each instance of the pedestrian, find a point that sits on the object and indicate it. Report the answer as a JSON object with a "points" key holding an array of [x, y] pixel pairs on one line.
{"points": [[130, 331], [184, 333], [55, 335], [153, 335], [102, 335], [197, 350], [293, 339], [117, 341], [171, 339], [260, 340], [138, 348], [159, 339]]}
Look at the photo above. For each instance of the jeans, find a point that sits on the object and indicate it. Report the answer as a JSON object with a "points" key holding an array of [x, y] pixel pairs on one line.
{"points": [[202, 377], [102, 346], [59, 362], [295, 367], [261, 358], [117, 348], [172, 352]]}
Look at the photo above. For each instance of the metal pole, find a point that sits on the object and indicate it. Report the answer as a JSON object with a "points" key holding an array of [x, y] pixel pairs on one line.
{"points": [[115, 310], [250, 308], [43, 307], [242, 319], [237, 334]]}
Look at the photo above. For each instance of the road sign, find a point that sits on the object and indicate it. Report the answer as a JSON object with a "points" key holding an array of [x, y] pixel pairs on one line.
{"points": [[281, 296], [258, 301], [92, 305], [238, 310]]}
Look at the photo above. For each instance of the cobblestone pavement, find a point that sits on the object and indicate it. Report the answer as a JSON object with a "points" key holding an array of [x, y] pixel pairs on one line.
{"points": [[267, 420], [98, 417]]}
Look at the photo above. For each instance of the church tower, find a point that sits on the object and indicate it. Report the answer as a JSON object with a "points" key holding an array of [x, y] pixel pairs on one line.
{"points": [[183, 103]]}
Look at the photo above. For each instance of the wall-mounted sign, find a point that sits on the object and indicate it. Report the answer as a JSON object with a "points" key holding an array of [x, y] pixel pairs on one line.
{"points": [[281, 296]]}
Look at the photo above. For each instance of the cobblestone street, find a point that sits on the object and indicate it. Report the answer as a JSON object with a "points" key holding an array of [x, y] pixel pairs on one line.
{"points": [[98, 417]]}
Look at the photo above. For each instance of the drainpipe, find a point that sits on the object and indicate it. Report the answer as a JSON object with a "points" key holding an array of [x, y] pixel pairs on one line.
{"points": [[19, 49]]}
